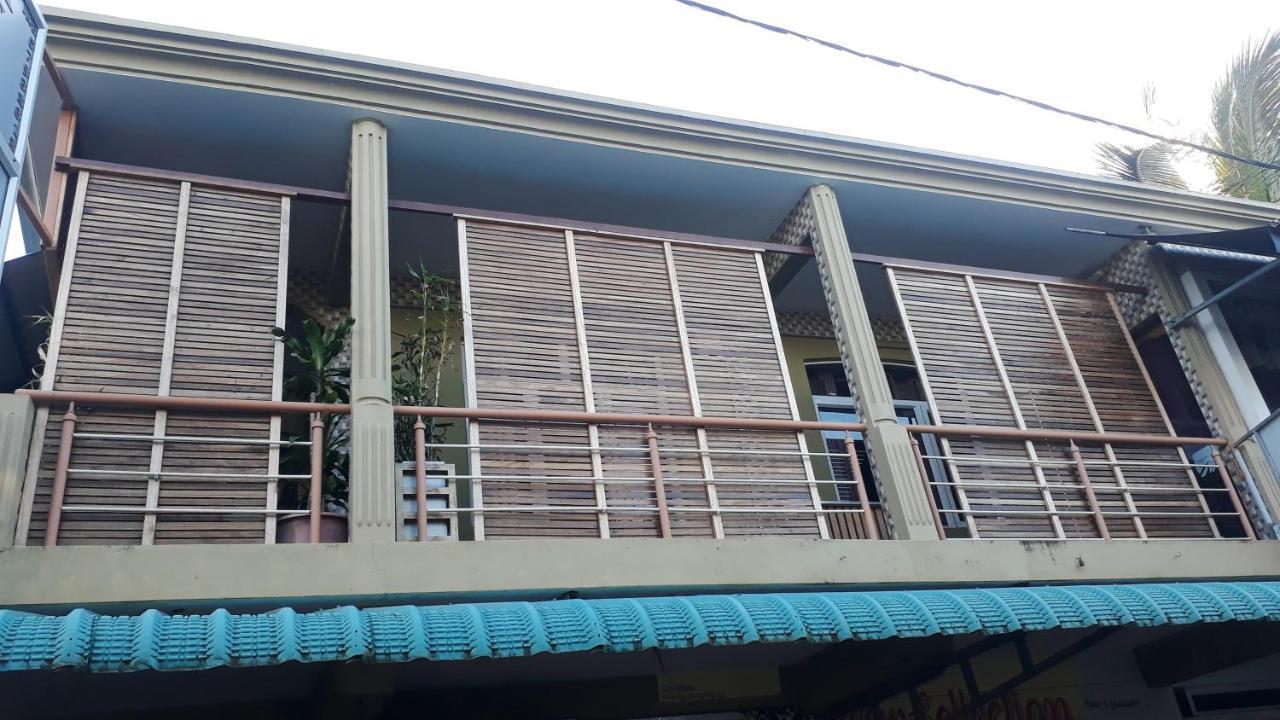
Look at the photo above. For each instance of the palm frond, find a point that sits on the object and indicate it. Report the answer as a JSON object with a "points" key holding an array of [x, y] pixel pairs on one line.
{"points": [[1245, 121], [1154, 164]]}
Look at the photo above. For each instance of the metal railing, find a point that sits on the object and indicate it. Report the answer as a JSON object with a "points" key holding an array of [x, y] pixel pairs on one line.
{"points": [[63, 469], [1118, 490], [658, 480], [649, 453]]}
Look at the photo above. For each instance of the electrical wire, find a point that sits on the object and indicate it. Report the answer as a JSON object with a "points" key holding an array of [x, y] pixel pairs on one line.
{"points": [[974, 86]]}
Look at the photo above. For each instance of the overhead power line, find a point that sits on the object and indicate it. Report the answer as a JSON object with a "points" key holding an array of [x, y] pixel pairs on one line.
{"points": [[980, 88]]}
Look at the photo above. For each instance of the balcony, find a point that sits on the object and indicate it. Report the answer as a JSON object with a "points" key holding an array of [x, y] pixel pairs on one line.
{"points": [[612, 384]]}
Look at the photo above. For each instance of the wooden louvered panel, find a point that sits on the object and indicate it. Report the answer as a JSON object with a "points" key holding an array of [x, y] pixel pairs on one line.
{"points": [[525, 355], [965, 388], [172, 289], [223, 347], [111, 341], [962, 375], [637, 367], [1062, 361], [739, 374], [563, 321], [1125, 403]]}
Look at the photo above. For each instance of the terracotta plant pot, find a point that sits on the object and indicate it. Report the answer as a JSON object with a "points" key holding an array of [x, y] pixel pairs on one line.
{"points": [[297, 528]]}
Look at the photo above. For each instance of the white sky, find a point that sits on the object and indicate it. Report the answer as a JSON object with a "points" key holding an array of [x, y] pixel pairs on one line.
{"points": [[1087, 55]]}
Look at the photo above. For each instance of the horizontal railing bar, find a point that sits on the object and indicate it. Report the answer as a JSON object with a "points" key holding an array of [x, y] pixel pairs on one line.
{"points": [[638, 451], [1002, 433], [971, 460], [170, 473], [190, 439], [169, 402], [1115, 513], [625, 419], [172, 402], [1115, 489], [134, 510], [645, 509], [591, 479]]}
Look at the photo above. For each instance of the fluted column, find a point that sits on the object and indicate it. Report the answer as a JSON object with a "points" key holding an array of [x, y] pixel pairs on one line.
{"points": [[901, 487], [373, 480]]}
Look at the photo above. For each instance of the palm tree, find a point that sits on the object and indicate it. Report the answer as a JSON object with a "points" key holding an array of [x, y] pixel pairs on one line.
{"points": [[1246, 121]]}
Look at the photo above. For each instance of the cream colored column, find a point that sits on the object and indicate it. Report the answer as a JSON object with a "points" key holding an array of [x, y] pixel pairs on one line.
{"points": [[373, 479], [901, 487], [16, 418]]}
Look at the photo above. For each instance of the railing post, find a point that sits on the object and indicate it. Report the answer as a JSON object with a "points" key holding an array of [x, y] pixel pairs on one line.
{"points": [[420, 473], [1231, 493], [659, 487], [868, 522], [1090, 497], [59, 493], [315, 500], [928, 489]]}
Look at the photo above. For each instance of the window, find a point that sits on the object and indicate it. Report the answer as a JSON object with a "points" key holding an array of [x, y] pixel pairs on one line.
{"points": [[833, 402]]}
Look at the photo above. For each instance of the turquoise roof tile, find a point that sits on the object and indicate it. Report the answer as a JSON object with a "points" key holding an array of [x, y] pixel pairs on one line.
{"points": [[157, 641]]}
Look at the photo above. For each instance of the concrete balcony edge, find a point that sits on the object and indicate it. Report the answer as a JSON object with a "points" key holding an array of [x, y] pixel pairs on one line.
{"points": [[196, 577]]}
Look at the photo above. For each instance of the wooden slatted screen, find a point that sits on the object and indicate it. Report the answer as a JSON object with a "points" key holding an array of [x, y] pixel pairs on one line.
{"points": [[557, 320], [1020, 354], [168, 289]]}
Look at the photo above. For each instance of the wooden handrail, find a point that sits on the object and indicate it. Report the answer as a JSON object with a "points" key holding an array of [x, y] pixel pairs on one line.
{"points": [[517, 415]]}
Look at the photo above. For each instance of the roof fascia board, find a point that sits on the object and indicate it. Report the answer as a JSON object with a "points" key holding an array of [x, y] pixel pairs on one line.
{"points": [[100, 43]]}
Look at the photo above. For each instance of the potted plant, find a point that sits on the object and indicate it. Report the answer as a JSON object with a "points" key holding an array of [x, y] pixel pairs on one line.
{"points": [[321, 373], [417, 368]]}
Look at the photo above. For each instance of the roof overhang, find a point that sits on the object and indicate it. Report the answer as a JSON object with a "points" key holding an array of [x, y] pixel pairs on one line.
{"points": [[94, 42]]}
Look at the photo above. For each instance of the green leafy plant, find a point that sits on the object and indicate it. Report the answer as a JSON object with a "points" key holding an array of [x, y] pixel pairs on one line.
{"points": [[44, 320], [423, 354], [323, 375]]}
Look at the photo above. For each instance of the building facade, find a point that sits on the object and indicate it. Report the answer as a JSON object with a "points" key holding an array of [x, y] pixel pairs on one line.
{"points": [[368, 389]]}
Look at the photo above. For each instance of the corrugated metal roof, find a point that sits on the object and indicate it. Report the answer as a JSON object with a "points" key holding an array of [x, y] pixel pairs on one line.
{"points": [[1213, 253], [156, 641]]}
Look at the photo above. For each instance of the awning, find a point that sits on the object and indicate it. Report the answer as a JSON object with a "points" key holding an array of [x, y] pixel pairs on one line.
{"points": [[1257, 244], [156, 641], [1261, 240]]}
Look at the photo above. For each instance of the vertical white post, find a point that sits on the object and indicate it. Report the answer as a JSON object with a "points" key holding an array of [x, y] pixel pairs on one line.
{"points": [[277, 370], [469, 382], [156, 465], [695, 401], [588, 392]]}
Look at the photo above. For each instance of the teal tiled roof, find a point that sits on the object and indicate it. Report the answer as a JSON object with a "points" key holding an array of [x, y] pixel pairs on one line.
{"points": [[157, 641]]}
